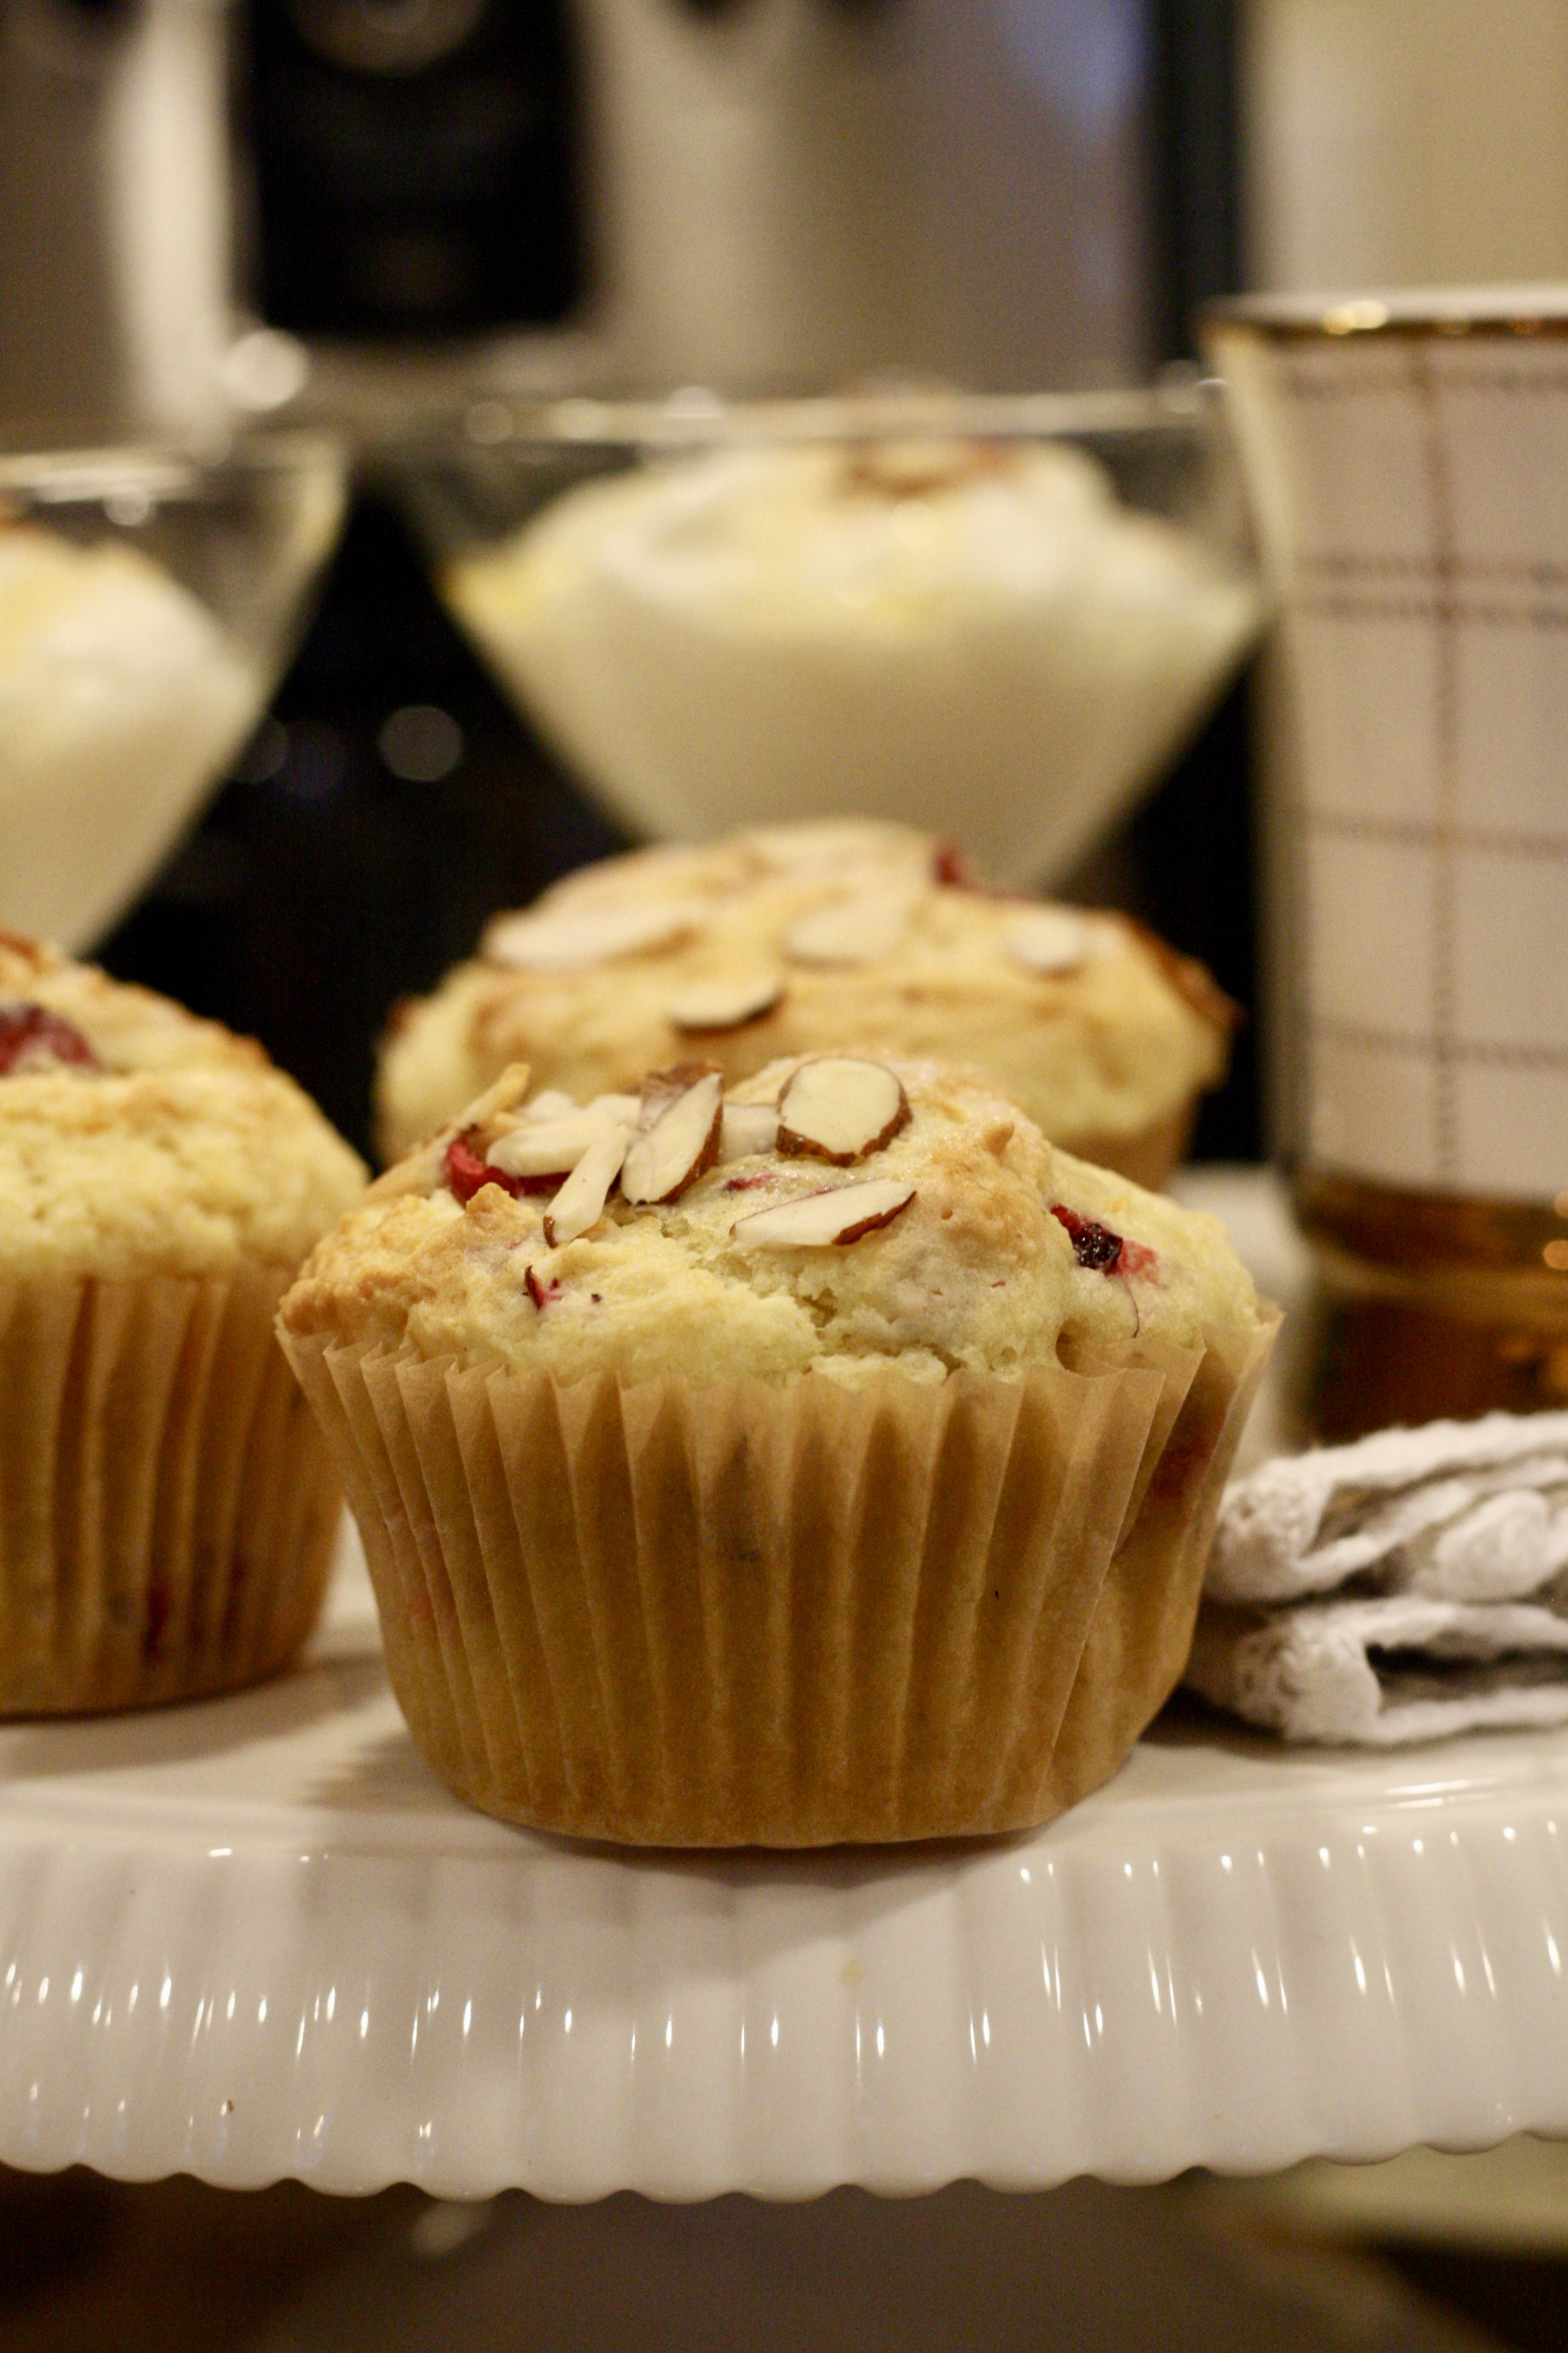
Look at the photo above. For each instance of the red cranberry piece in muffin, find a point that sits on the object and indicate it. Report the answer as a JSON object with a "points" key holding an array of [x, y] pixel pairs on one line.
{"points": [[33, 1039]]}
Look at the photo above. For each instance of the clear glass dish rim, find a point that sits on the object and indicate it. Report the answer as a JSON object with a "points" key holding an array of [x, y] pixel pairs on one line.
{"points": [[91, 471], [495, 427]]}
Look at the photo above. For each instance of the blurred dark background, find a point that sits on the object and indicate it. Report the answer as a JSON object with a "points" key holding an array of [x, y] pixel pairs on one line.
{"points": [[388, 802], [413, 167], [1193, 2266]]}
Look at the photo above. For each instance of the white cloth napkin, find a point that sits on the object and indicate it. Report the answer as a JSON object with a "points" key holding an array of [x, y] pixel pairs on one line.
{"points": [[1412, 1584]]}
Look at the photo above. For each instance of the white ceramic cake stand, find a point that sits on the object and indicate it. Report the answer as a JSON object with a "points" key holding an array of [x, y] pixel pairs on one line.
{"points": [[254, 1938]]}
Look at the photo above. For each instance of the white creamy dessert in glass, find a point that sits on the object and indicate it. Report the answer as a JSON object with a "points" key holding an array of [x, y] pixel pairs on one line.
{"points": [[120, 696], [955, 633]]}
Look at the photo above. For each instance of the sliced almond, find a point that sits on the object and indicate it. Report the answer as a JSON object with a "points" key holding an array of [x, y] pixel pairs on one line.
{"points": [[550, 1103], [838, 1108], [859, 930], [662, 1160], [581, 1201], [842, 1214], [423, 1170], [923, 467], [725, 1004], [661, 1087], [565, 939], [619, 1107], [826, 845], [1053, 939], [748, 1128], [501, 1095], [548, 1148]]}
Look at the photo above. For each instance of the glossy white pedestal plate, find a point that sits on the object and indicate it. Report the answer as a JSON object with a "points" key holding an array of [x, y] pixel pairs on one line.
{"points": [[255, 1938]]}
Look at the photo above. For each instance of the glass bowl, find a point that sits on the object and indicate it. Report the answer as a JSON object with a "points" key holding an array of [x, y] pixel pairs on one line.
{"points": [[992, 617], [149, 599]]}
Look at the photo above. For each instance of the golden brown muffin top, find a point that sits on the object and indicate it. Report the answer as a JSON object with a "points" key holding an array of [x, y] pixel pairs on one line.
{"points": [[136, 1139], [785, 939], [839, 1214]]}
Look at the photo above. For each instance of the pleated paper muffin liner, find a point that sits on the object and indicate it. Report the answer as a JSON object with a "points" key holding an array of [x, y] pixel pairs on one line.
{"points": [[1147, 1155], [167, 1504], [750, 1615]]}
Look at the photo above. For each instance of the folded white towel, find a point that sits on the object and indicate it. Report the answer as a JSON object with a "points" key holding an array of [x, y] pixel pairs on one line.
{"points": [[1444, 1551]]}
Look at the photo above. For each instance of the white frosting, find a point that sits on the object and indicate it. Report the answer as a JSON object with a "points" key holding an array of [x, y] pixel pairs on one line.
{"points": [[1005, 652], [119, 700]]}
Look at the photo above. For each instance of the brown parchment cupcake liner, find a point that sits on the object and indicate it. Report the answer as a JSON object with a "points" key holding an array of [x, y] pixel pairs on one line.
{"points": [[1148, 1606], [168, 1503], [1150, 1155], [747, 1615]]}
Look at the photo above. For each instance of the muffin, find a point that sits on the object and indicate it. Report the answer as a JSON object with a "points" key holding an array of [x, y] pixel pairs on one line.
{"points": [[167, 1509], [787, 940], [833, 1459]]}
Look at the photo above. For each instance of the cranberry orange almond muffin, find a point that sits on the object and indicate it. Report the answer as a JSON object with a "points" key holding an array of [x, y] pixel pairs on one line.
{"points": [[167, 1509], [785, 939], [833, 1459]]}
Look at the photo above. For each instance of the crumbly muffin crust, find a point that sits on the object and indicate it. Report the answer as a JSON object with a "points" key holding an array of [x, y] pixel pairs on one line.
{"points": [[128, 1028], [136, 1139], [1008, 1252], [1096, 1029]]}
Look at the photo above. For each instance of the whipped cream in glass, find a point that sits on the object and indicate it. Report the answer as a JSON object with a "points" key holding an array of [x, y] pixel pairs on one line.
{"points": [[968, 636], [121, 699]]}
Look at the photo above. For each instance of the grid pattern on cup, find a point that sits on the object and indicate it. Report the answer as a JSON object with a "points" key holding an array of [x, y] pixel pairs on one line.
{"points": [[1394, 374], [1426, 596], [1410, 831], [1367, 1037], [1432, 590]]}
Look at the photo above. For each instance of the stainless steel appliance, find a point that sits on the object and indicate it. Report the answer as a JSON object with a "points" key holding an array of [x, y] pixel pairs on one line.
{"points": [[751, 193], [786, 193], [115, 255]]}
